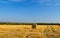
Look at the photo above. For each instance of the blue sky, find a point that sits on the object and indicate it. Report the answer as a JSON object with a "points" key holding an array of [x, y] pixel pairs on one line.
{"points": [[30, 11]]}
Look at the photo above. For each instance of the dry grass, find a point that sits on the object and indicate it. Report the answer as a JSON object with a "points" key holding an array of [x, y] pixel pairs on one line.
{"points": [[25, 31]]}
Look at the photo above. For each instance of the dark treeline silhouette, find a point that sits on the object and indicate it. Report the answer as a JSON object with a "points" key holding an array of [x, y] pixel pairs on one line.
{"points": [[14, 23]]}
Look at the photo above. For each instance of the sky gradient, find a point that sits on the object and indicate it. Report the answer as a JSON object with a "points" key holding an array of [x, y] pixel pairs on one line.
{"points": [[30, 11]]}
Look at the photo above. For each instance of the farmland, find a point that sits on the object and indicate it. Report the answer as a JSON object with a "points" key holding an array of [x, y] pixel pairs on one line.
{"points": [[26, 31]]}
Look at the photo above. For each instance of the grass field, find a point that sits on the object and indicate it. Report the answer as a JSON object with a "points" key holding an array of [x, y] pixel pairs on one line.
{"points": [[26, 31]]}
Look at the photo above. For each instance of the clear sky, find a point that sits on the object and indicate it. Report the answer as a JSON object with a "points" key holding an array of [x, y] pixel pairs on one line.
{"points": [[30, 11]]}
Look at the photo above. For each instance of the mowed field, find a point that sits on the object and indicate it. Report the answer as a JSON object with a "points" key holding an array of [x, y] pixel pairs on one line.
{"points": [[26, 31]]}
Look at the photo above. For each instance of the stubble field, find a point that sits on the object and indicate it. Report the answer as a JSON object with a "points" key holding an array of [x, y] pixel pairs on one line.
{"points": [[26, 31]]}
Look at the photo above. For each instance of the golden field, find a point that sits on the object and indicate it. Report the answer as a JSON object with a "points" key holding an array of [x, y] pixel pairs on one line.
{"points": [[26, 31]]}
